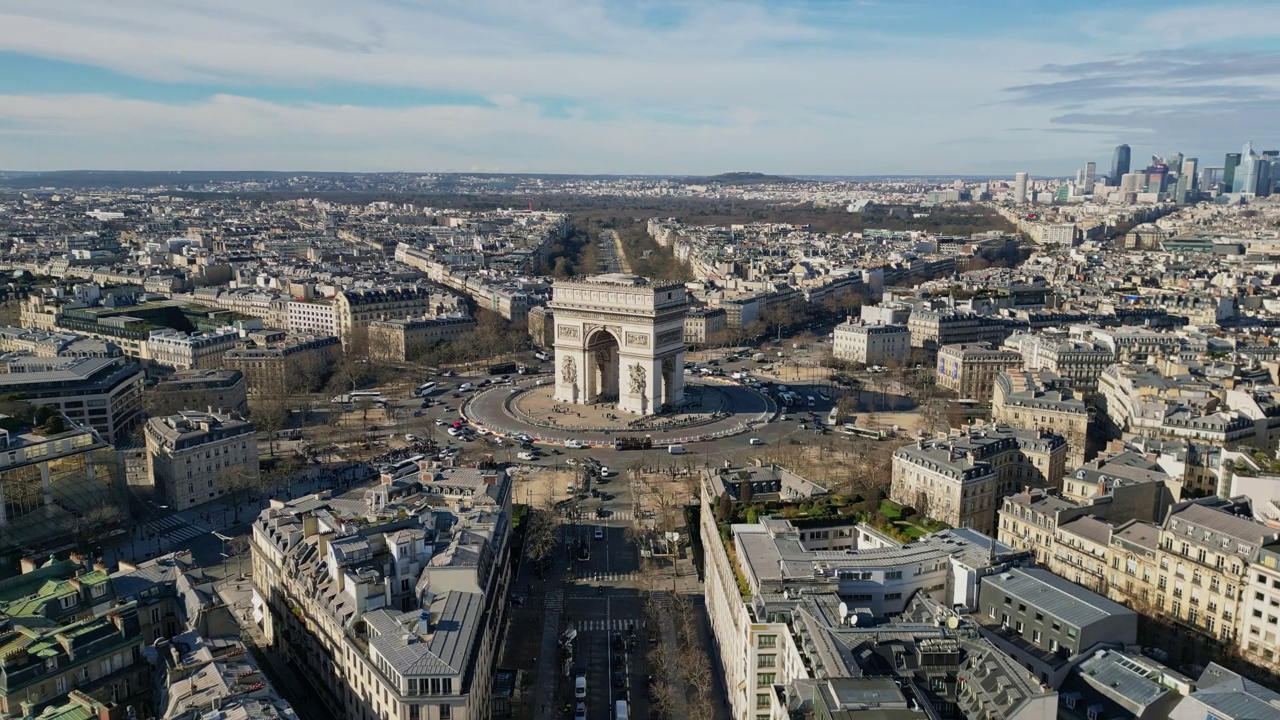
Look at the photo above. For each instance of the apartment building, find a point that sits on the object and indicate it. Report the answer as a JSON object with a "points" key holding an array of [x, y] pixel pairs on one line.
{"points": [[406, 339], [962, 479], [354, 309], [1260, 640], [225, 389], [871, 344], [393, 607], [273, 362], [99, 655], [102, 393], [704, 324], [1078, 361], [175, 350], [1040, 401], [813, 598], [311, 317], [1207, 548], [542, 326], [970, 371], [41, 343], [194, 457], [1047, 624], [931, 329]]}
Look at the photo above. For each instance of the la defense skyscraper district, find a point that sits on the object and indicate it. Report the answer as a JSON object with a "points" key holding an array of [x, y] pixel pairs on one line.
{"points": [[1119, 163]]}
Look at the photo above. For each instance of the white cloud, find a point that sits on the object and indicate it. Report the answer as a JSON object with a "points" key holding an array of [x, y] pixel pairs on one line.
{"points": [[570, 85]]}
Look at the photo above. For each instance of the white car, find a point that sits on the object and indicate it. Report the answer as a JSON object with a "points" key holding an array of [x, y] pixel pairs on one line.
{"points": [[481, 431], [454, 432], [440, 423], [527, 456], [573, 444], [605, 471], [580, 688], [755, 441]]}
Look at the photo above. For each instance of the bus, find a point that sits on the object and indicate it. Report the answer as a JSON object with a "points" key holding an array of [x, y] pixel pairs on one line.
{"points": [[854, 431], [633, 443], [358, 395]]}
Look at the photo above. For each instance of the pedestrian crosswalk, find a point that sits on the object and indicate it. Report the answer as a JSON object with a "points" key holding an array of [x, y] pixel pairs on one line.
{"points": [[554, 601], [173, 529], [605, 577], [605, 625]]}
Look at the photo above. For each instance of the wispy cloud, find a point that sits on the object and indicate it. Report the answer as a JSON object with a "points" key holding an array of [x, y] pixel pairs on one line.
{"points": [[600, 85]]}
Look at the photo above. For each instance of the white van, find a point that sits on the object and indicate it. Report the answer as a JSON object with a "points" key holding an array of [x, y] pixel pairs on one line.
{"points": [[580, 687], [620, 710], [675, 449]]}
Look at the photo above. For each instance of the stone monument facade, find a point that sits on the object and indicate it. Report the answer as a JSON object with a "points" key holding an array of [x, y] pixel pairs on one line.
{"points": [[619, 339]]}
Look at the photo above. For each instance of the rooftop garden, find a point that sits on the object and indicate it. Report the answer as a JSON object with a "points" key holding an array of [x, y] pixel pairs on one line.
{"points": [[900, 522]]}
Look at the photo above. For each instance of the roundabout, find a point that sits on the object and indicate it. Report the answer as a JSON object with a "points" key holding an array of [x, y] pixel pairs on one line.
{"points": [[712, 410]]}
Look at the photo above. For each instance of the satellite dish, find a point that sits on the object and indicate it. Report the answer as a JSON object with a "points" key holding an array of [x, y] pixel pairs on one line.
{"points": [[953, 622], [853, 620], [844, 610]]}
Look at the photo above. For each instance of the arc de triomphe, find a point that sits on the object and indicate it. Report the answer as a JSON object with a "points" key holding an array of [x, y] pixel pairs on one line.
{"points": [[619, 338]]}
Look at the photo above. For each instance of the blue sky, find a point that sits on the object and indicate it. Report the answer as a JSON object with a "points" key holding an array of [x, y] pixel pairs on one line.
{"points": [[837, 87]]}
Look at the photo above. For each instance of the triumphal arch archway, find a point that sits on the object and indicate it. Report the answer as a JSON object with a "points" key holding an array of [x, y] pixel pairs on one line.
{"points": [[619, 339]]}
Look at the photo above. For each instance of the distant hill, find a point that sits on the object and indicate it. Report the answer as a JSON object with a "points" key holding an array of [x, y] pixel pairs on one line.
{"points": [[738, 178]]}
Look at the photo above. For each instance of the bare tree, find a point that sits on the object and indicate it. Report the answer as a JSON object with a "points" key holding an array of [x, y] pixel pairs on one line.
{"points": [[93, 527]]}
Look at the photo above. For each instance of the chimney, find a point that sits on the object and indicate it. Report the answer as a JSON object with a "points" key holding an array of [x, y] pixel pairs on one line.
{"points": [[27, 564], [77, 558]]}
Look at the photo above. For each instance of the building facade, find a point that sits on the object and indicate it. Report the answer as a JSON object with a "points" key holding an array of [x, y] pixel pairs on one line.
{"points": [[95, 392], [274, 363], [702, 325], [401, 340], [871, 344], [963, 479], [175, 350], [1033, 401], [397, 613], [195, 457], [970, 371]]}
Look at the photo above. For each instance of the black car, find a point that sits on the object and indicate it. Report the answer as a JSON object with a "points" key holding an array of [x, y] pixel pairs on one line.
{"points": [[617, 641], [619, 679]]}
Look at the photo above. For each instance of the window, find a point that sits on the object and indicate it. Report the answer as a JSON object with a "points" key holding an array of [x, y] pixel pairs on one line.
{"points": [[1019, 627], [992, 612], [767, 641], [447, 686], [1039, 617], [1022, 607], [1056, 626], [51, 664], [446, 712], [1035, 636], [1093, 712], [893, 596], [762, 700], [765, 679], [767, 661], [100, 590], [68, 602]]}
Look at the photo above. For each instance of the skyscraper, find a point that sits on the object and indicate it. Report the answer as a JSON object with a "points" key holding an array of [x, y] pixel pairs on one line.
{"points": [[1229, 170], [1020, 187], [1090, 169], [1186, 181], [1119, 163]]}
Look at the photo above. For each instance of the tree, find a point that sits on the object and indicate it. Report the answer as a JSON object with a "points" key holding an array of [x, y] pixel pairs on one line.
{"points": [[93, 527], [270, 414], [724, 508], [240, 482], [541, 532]]}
